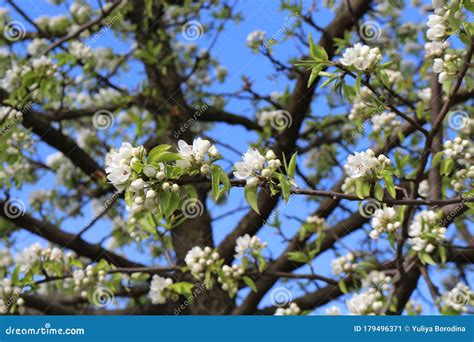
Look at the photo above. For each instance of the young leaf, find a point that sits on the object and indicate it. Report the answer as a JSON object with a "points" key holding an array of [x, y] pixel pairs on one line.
{"points": [[292, 166], [250, 194], [390, 186], [249, 282]]}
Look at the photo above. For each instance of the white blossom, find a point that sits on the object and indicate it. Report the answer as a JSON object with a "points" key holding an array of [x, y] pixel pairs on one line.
{"points": [[252, 161], [362, 164], [246, 244], [425, 231], [369, 302], [255, 38], [158, 287], [424, 188], [193, 154], [362, 57]]}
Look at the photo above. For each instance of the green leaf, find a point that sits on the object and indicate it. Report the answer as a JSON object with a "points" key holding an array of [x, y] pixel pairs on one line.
{"points": [[446, 166], [215, 178], [390, 186], [292, 166], [157, 151], [442, 254], [249, 282], [182, 288], [359, 188], [342, 286], [297, 257], [314, 73], [316, 51], [426, 258], [437, 158], [378, 192], [165, 157], [285, 186], [250, 194]]}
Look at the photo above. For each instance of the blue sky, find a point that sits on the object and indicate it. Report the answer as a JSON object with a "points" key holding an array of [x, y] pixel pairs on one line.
{"points": [[233, 53]]}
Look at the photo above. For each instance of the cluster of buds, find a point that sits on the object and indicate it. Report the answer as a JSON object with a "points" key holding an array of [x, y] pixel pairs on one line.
{"points": [[292, 310], [344, 264], [385, 220], [369, 302], [10, 300], [87, 278], [425, 232], [463, 179], [378, 280], [200, 260], [455, 148], [230, 277]]}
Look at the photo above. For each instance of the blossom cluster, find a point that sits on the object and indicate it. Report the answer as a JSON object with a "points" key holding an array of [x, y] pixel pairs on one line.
{"points": [[369, 302], [90, 277], [292, 310], [425, 232], [360, 107], [194, 156], [385, 220], [255, 39], [362, 57], [386, 122], [365, 164], [455, 148], [446, 67], [159, 289], [201, 260], [119, 164], [43, 66], [30, 256], [248, 246], [252, 167], [230, 277], [8, 113], [344, 264], [10, 297], [378, 280]]}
